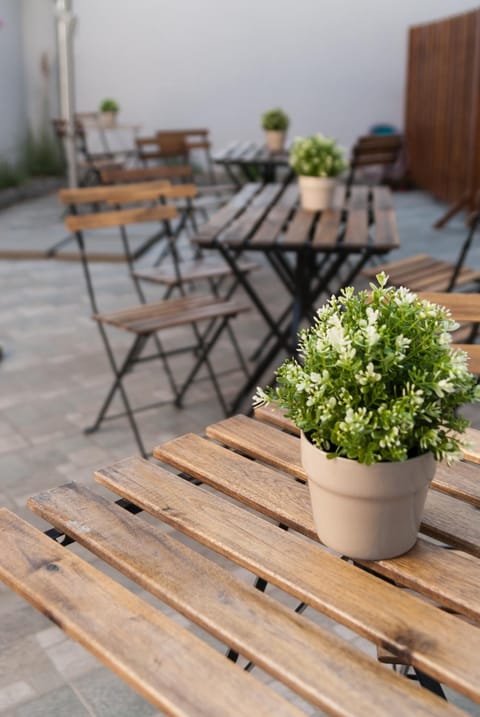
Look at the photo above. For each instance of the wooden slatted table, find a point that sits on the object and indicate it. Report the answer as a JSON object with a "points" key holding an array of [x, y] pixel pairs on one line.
{"points": [[309, 251], [252, 161], [241, 495]]}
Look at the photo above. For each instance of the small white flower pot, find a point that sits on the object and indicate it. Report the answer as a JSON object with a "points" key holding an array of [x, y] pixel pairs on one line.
{"points": [[275, 140], [316, 193], [367, 512]]}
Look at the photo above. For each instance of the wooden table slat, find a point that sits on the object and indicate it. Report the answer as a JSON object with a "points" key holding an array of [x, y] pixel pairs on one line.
{"points": [[327, 231], [385, 221], [299, 230], [434, 641], [208, 232], [472, 451], [273, 224], [241, 229], [169, 666], [314, 663], [356, 229], [224, 154], [253, 151], [287, 501]]}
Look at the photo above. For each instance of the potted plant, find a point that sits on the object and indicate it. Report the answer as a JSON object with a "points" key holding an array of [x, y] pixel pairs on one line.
{"points": [[375, 396], [317, 160], [275, 123], [109, 109]]}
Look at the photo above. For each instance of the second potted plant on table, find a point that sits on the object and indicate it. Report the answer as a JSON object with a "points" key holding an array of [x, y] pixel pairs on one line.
{"points": [[376, 396], [275, 123], [317, 161], [109, 109]]}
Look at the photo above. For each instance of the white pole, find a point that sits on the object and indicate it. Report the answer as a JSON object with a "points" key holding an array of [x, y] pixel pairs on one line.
{"points": [[65, 29]]}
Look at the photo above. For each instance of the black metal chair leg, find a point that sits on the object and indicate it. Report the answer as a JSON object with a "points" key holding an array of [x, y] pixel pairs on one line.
{"points": [[429, 683], [118, 386], [204, 352]]}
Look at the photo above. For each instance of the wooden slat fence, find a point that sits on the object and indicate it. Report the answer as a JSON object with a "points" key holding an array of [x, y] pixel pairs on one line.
{"points": [[442, 106]]}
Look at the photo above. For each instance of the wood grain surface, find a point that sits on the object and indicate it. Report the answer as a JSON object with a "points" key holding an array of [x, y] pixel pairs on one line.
{"points": [[170, 667], [434, 641], [314, 663]]}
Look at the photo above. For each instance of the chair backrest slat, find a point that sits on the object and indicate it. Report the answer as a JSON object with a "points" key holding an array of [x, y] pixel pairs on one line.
{"points": [[145, 174], [123, 193], [120, 217]]}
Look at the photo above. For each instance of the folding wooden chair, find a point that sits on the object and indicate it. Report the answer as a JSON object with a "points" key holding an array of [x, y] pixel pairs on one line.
{"points": [[95, 197], [89, 164], [179, 272], [422, 272], [146, 321], [375, 150]]}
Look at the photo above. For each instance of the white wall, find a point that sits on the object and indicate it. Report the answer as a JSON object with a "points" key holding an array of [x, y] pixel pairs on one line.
{"points": [[27, 96], [334, 65], [12, 95], [39, 41]]}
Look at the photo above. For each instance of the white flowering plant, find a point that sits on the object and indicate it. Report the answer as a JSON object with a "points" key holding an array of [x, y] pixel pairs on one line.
{"points": [[317, 156], [377, 379]]}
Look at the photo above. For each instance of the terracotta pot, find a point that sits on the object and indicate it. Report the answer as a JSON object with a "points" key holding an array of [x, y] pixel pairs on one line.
{"points": [[316, 193], [366, 512], [109, 119], [275, 140]]}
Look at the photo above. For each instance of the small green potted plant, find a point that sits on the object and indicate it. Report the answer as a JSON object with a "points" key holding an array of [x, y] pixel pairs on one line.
{"points": [[109, 109], [375, 394], [317, 161], [275, 123]]}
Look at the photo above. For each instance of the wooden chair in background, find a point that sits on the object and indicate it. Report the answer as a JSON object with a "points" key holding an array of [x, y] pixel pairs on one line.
{"points": [[381, 151], [173, 147], [90, 165], [423, 272], [178, 273], [94, 197], [146, 321]]}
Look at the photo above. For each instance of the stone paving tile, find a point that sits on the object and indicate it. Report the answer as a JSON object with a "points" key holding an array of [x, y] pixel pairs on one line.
{"points": [[26, 662], [62, 702], [70, 659], [108, 696], [15, 693]]}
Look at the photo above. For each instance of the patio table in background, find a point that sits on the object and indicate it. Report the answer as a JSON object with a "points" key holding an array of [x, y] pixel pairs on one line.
{"points": [[254, 162], [258, 465], [312, 253]]}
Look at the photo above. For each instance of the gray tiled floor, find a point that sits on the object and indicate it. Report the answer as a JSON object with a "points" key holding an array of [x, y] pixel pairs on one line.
{"points": [[51, 381]]}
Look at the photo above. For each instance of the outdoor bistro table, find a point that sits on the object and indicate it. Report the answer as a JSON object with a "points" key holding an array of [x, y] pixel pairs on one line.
{"points": [[267, 218], [433, 626], [253, 161]]}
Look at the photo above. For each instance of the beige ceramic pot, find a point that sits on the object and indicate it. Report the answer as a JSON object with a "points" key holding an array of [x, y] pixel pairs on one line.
{"points": [[366, 512], [109, 119], [275, 140], [316, 193]]}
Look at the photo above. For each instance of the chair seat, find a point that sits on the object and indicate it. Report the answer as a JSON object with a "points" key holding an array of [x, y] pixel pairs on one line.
{"points": [[422, 273], [150, 318], [193, 270]]}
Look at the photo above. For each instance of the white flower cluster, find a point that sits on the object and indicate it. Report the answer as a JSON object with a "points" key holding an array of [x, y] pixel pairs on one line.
{"points": [[317, 156], [377, 378]]}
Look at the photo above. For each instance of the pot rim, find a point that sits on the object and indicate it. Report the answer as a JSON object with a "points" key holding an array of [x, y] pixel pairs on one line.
{"points": [[354, 460]]}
